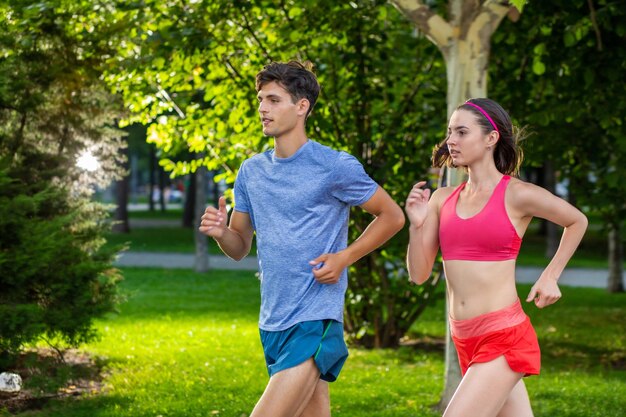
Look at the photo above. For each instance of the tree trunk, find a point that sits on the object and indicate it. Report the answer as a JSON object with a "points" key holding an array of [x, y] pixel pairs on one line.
{"points": [[189, 210], [215, 188], [122, 187], [151, 179], [465, 42], [201, 263], [552, 230], [162, 189], [616, 282]]}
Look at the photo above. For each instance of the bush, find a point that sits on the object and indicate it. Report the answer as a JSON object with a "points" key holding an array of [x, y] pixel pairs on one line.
{"points": [[55, 275]]}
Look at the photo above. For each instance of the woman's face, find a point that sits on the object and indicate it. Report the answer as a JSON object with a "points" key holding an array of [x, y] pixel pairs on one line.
{"points": [[466, 141]]}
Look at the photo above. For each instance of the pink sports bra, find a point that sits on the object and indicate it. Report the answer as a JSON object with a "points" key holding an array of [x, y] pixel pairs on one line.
{"points": [[486, 236]]}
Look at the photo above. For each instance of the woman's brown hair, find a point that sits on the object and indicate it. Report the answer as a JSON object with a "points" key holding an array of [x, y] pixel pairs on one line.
{"points": [[507, 154]]}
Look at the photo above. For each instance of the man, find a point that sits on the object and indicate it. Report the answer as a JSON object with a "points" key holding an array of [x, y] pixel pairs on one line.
{"points": [[297, 198]]}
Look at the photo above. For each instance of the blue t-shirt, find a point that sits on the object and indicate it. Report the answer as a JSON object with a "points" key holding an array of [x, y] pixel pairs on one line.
{"points": [[299, 209]]}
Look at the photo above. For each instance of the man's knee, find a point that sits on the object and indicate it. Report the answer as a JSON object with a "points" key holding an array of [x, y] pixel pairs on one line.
{"points": [[319, 404]]}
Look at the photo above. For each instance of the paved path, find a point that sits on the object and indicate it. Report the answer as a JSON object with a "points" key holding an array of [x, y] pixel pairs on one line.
{"points": [[182, 261], [576, 277]]}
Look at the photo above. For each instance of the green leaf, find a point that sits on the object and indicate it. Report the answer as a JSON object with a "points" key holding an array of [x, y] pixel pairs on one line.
{"points": [[539, 67], [540, 49], [519, 4], [569, 39], [294, 12]]}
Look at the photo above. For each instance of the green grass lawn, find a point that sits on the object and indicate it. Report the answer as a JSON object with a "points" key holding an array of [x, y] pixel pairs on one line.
{"points": [[187, 344], [158, 239], [591, 253], [170, 214]]}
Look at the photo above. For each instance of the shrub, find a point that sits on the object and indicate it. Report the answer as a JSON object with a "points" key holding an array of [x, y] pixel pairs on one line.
{"points": [[55, 275]]}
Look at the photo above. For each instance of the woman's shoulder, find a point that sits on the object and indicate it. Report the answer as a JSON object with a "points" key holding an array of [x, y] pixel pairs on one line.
{"points": [[445, 191], [523, 192], [519, 185], [441, 194]]}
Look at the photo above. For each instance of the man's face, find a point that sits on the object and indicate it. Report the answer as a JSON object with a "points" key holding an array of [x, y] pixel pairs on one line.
{"points": [[279, 114]]}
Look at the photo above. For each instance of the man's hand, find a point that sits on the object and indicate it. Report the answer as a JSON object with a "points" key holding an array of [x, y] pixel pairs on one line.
{"points": [[330, 271], [215, 220]]}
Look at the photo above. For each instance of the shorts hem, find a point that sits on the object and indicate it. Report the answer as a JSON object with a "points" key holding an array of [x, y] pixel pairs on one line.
{"points": [[519, 369], [323, 344]]}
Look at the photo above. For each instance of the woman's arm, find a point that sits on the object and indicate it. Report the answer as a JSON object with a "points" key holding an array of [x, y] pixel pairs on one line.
{"points": [[534, 201], [423, 231]]}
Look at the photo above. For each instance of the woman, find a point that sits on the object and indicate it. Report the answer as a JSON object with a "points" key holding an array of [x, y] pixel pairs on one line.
{"points": [[479, 227]]}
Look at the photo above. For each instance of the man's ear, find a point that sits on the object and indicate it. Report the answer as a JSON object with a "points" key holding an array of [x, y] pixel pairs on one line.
{"points": [[303, 106]]}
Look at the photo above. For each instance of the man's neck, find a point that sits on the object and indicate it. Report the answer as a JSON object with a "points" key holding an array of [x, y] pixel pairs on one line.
{"points": [[285, 146]]}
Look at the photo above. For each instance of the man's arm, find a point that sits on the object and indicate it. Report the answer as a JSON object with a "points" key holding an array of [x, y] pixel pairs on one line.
{"points": [[389, 219], [235, 239]]}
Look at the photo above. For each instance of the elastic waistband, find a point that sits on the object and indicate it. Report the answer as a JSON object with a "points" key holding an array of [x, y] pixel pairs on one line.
{"points": [[488, 322]]}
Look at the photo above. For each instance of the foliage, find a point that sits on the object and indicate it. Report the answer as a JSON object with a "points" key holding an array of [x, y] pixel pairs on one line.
{"points": [[55, 278], [187, 70], [560, 71], [51, 98]]}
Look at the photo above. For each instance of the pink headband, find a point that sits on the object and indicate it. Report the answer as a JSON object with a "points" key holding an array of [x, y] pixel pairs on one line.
{"points": [[484, 113]]}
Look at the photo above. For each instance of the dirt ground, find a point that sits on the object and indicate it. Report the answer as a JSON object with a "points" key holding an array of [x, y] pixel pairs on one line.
{"points": [[46, 375]]}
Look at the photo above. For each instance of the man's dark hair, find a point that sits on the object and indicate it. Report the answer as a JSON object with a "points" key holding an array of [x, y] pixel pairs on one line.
{"points": [[295, 77]]}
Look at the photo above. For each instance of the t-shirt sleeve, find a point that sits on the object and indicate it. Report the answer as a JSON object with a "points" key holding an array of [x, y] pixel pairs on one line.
{"points": [[242, 203], [351, 184]]}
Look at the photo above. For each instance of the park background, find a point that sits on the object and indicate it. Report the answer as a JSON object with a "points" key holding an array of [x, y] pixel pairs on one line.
{"points": [[121, 120]]}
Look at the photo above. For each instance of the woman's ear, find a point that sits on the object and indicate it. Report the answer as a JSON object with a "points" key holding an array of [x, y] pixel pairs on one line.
{"points": [[493, 138]]}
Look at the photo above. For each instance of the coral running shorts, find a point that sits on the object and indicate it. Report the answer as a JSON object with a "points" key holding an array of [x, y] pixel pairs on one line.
{"points": [[507, 332]]}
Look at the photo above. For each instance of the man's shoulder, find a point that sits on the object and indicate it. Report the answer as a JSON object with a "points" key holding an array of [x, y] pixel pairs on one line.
{"points": [[320, 148], [331, 155], [257, 159]]}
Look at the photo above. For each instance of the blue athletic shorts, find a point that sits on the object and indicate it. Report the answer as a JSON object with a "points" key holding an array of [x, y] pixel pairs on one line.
{"points": [[321, 340]]}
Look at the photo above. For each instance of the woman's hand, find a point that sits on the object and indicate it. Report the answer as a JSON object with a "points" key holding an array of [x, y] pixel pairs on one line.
{"points": [[545, 292], [416, 206]]}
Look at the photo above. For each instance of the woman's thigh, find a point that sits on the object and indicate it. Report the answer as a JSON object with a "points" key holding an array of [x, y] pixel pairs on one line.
{"points": [[518, 403], [484, 390]]}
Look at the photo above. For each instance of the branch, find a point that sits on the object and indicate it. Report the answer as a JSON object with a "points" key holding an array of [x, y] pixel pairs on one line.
{"points": [[594, 22], [493, 11], [232, 71], [434, 26], [161, 93], [256, 38]]}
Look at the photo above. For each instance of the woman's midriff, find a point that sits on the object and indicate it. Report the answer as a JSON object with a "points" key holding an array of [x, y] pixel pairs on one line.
{"points": [[477, 287], [509, 316]]}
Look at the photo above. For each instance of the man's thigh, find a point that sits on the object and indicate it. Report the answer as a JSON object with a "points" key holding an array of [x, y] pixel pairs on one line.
{"points": [[288, 392], [319, 404]]}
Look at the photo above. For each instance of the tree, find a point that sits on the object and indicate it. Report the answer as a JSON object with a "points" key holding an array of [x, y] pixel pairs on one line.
{"points": [[193, 68], [464, 40], [55, 274], [564, 64]]}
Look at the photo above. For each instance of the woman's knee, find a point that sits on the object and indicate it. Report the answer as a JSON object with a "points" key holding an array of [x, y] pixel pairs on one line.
{"points": [[483, 390]]}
